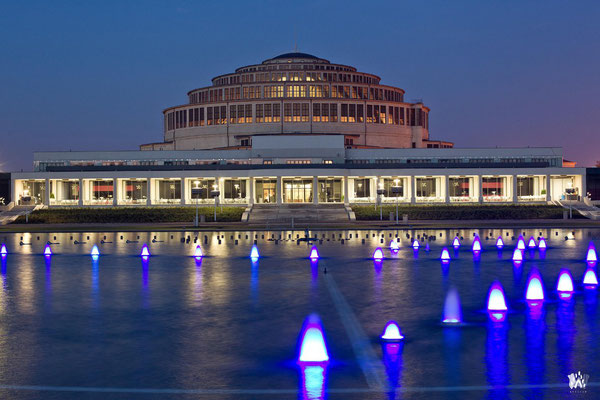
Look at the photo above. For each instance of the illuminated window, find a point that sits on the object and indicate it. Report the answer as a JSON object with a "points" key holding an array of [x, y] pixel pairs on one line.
{"points": [[259, 113], [316, 112], [352, 113], [287, 112], [344, 113], [277, 112], [296, 112], [325, 112], [360, 113], [304, 112], [296, 91], [370, 118], [333, 112], [248, 113], [232, 114]]}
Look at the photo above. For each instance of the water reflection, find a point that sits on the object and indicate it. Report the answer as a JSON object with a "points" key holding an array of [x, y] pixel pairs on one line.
{"points": [[313, 379], [392, 360], [254, 280], [496, 359], [535, 354], [566, 331], [95, 297]]}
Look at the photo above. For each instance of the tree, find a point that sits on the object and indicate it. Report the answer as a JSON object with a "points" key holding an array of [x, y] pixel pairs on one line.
{"points": [[598, 164]]}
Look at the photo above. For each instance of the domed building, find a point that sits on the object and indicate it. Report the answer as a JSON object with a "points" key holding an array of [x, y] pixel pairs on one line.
{"points": [[301, 94]]}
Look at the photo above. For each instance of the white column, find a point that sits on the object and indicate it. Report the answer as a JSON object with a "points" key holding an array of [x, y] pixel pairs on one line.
{"points": [[447, 185], [514, 189], [115, 192], [346, 192], [315, 190], [80, 201], [413, 192], [480, 188], [183, 191], [583, 187], [47, 193], [548, 197], [278, 190], [148, 192], [250, 191]]}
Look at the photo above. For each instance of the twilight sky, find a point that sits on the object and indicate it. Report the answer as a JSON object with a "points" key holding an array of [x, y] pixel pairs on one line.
{"points": [[96, 75]]}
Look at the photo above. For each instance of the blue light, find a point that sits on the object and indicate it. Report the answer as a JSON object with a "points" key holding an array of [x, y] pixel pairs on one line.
{"points": [[445, 256], [145, 252], [427, 247], [476, 245], [590, 280], [391, 332], [394, 245], [496, 299], [47, 250], [3, 250], [565, 282], [456, 243], [591, 257], [499, 243], [521, 243], [542, 244], [95, 252], [452, 312], [378, 254], [416, 245], [313, 382], [254, 254], [518, 256], [535, 288], [198, 252], [532, 244], [314, 253], [312, 342]]}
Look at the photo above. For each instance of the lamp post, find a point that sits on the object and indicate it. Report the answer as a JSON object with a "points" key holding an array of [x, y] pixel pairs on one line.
{"points": [[196, 195], [380, 193], [396, 189]]}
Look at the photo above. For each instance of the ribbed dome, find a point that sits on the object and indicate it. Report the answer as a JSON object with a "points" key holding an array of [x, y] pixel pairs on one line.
{"points": [[295, 57]]}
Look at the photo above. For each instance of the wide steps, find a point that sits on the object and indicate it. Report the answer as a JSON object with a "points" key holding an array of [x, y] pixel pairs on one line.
{"points": [[285, 213]]}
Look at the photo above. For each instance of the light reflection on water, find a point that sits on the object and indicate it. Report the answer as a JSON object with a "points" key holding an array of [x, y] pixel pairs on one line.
{"points": [[223, 321]]}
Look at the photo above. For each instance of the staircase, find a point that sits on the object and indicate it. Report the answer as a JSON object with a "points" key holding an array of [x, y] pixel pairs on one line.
{"points": [[10, 215], [584, 208], [293, 214]]}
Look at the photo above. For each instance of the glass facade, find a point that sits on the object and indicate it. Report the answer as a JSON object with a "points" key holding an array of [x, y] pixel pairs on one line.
{"points": [[388, 183], [362, 188], [426, 187], [33, 192], [297, 190], [101, 191], [330, 190], [169, 191], [200, 189], [234, 190], [494, 188], [134, 191], [266, 191]]}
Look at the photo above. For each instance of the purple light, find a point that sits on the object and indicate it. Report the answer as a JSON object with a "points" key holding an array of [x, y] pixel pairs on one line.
{"points": [[254, 254], [391, 332], [476, 245], [591, 257], [518, 256], [535, 288], [313, 382], [456, 243], [521, 243], [47, 250], [378, 254], [542, 244], [394, 245], [314, 253], [313, 349], [496, 299], [445, 256], [145, 252], [3, 250], [565, 282], [590, 280], [427, 247], [198, 252], [532, 244], [452, 313], [499, 243], [416, 245], [95, 252]]}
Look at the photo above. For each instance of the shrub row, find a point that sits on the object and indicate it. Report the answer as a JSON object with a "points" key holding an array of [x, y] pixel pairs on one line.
{"points": [[460, 212], [130, 215]]}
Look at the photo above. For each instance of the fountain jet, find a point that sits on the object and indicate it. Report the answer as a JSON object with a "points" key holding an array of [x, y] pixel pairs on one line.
{"points": [[95, 253], [445, 256], [564, 286], [496, 304], [394, 245], [314, 253], [145, 252], [591, 257], [198, 252], [378, 254], [456, 243], [476, 244], [47, 250], [391, 332], [590, 280], [521, 243], [535, 288], [499, 243], [416, 245], [3, 250], [254, 254], [452, 313], [517, 256], [542, 245], [313, 349], [532, 244]]}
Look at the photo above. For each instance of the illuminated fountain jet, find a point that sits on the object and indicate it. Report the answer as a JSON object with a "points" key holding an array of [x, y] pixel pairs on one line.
{"points": [[254, 254], [496, 304], [564, 286], [499, 243], [452, 313], [3, 251], [314, 253], [391, 332], [394, 245], [378, 254], [313, 349], [542, 245], [445, 256], [532, 244], [535, 289], [416, 245], [427, 247], [517, 256], [198, 252], [476, 245], [145, 252], [521, 243], [95, 253], [590, 280], [47, 251], [456, 243], [591, 257]]}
